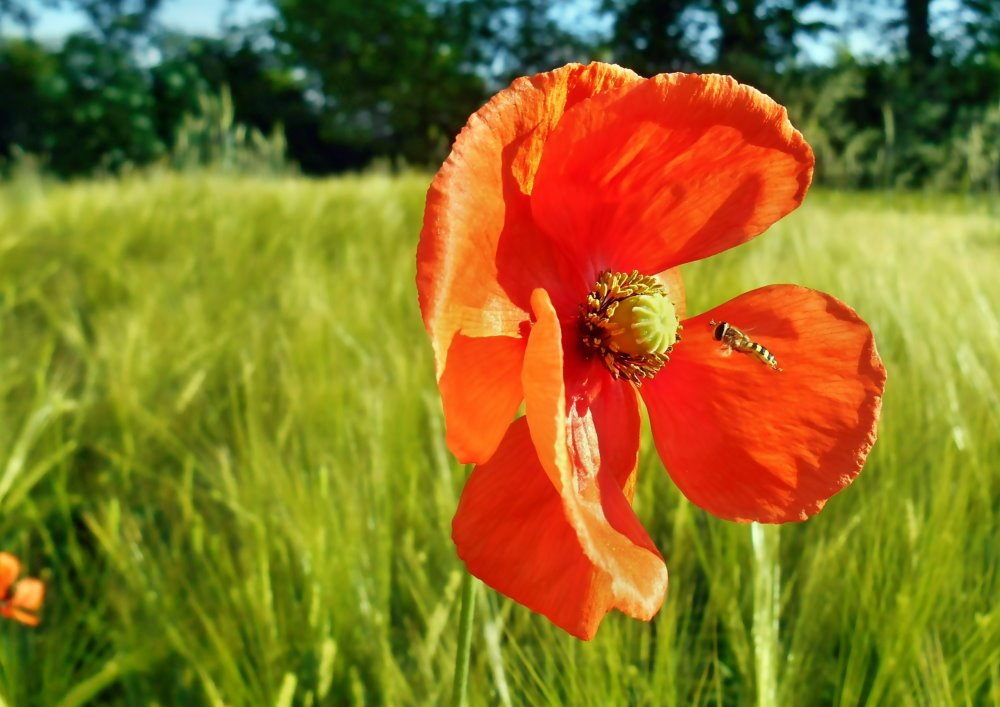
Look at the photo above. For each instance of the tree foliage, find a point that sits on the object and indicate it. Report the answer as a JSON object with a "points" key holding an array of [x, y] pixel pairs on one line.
{"points": [[396, 79], [390, 72]]}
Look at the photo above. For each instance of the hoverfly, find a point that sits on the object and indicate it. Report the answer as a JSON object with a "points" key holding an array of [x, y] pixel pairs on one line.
{"points": [[738, 341]]}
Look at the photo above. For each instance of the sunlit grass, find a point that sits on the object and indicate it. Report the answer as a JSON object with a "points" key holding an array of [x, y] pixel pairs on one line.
{"points": [[221, 446]]}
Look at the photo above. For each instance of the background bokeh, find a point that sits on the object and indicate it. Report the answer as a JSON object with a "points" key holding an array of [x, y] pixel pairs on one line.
{"points": [[221, 444], [899, 93]]}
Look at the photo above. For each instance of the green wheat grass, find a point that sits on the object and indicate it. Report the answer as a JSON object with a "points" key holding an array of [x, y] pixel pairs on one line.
{"points": [[222, 448]]}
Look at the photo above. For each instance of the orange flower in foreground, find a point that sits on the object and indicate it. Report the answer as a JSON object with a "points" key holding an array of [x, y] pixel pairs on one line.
{"points": [[561, 199], [19, 599]]}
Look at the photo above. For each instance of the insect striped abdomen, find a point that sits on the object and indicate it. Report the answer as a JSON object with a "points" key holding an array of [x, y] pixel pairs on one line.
{"points": [[764, 355], [736, 340]]}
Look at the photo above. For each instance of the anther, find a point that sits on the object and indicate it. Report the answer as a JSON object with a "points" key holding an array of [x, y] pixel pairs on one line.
{"points": [[630, 322]]}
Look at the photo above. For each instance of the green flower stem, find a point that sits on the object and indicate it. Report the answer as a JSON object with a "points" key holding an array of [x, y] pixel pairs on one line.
{"points": [[464, 648], [766, 607]]}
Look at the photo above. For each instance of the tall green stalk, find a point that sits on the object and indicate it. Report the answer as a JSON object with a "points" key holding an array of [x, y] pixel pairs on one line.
{"points": [[766, 607], [464, 648]]}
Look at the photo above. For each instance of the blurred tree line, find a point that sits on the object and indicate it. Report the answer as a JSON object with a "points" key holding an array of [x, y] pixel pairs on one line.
{"points": [[353, 82]]}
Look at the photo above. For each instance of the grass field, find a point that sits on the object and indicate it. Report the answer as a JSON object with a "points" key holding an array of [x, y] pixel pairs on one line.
{"points": [[221, 447]]}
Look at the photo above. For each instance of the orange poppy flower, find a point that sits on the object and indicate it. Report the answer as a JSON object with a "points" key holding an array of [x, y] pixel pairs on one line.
{"points": [[561, 200], [19, 599]]}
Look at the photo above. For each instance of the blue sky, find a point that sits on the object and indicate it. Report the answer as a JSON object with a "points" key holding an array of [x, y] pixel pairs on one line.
{"points": [[205, 17], [193, 16]]}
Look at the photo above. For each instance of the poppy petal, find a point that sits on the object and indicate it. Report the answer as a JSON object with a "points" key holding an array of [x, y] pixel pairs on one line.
{"points": [[668, 171], [10, 568], [511, 531], [585, 429], [480, 254], [480, 392], [675, 286], [478, 237], [29, 594], [746, 442], [22, 616]]}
